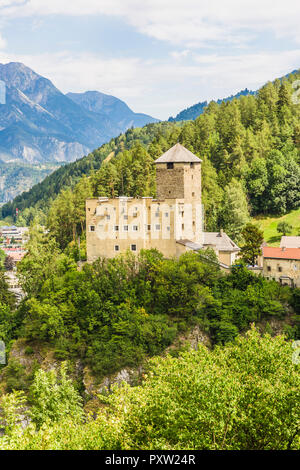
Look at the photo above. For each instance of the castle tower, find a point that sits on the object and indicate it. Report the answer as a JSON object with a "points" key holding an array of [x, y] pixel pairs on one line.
{"points": [[178, 176]]}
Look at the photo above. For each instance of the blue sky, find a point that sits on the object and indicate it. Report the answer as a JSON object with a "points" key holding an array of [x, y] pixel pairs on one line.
{"points": [[160, 56]]}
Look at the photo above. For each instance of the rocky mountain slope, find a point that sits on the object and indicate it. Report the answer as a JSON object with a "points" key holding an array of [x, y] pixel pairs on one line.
{"points": [[39, 124]]}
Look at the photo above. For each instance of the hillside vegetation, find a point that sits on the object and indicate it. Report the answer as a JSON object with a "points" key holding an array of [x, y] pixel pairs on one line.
{"points": [[192, 112], [117, 312], [244, 396], [269, 226]]}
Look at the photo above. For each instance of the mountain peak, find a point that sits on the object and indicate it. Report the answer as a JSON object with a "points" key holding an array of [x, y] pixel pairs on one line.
{"points": [[98, 102], [14, 73]]}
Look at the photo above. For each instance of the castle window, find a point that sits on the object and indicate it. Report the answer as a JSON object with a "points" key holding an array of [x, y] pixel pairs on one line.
{"points": [[92, 228], [125, 228], [117, 248], [125, 217], [193, 194], [116, 228], [148, 228], [135, 228], [108, 217], [170, 166], [166, 214], [133, 247], [279, 269], [269, 268], [182, 226], [192, 165], [168, 229], [157, 227]]}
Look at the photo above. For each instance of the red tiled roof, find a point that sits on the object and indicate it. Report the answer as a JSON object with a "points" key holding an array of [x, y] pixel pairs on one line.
{"points": [[286, 253]]}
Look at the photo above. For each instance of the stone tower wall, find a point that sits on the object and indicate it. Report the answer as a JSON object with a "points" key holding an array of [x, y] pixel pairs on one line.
{"points": [[170, 183]]}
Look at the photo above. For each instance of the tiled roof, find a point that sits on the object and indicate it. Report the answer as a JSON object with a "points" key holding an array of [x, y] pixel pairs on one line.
{"points": [[220, 240], [290, 242], [194, 246], [281, 253], [178, 154]]}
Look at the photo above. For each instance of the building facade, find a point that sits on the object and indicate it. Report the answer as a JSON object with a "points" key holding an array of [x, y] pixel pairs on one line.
{"points": [[282, 265]]}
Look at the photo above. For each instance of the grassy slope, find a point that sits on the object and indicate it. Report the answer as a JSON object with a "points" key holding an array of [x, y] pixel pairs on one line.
{"points": [[269, 226]]}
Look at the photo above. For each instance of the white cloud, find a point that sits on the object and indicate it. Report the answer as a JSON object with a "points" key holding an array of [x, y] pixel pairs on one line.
{"points": [[192, 22], [160, 87], [164, 87], [2, 43], [180, 54]]}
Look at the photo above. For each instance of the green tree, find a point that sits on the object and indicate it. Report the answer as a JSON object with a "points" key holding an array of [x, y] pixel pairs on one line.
{"points": [[2, 259], [243, 396], [43, 261], [235, 213], [284, 228], [253, 239], [53, 397]]}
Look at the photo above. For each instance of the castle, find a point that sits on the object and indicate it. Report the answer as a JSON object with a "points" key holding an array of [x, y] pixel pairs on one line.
{"points": [[172, 223]]}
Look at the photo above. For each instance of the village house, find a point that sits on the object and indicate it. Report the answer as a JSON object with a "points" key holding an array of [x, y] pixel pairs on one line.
{"points": [[13, 240], [172, 223], [282, 264]]}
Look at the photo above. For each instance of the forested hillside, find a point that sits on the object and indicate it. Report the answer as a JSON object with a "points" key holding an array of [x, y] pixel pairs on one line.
{"points": [[194, 111], [240, 397]]}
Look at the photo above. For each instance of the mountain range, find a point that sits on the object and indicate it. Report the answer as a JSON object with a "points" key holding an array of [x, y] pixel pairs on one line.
{"points": [[42, 128], [39, 123]]}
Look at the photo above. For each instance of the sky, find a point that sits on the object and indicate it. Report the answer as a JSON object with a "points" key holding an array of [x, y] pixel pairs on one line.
{"points": [[159, 56]]}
